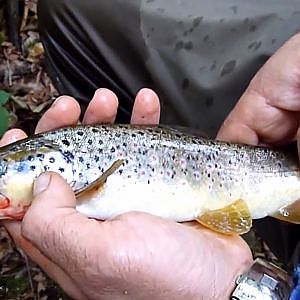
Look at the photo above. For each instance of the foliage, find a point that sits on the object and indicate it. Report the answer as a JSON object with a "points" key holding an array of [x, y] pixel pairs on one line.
{"points": [[4, 116]]}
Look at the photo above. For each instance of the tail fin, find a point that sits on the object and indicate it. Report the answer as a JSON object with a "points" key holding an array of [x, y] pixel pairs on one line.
{"points": [[290, 213]]}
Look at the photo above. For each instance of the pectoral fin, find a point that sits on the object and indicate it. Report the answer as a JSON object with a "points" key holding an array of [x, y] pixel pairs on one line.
{"points": [[99, 182], [290, 213], [234, 218]]}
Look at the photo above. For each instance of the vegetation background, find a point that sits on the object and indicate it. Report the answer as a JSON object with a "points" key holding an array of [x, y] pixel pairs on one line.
{"points": [[25, 93]]}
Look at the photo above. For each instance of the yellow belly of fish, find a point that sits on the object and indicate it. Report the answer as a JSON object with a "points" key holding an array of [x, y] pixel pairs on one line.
{"points": [[179, 202]]}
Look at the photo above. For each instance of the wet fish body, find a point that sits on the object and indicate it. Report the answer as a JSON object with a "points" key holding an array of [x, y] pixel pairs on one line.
{"points": [[163, 171]]}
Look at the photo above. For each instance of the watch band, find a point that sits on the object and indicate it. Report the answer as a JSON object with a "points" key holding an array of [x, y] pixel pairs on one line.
{"points": [[263, 281]]}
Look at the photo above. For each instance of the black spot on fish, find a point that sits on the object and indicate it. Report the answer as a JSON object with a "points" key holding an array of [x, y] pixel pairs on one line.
{"points": [[80, 175], [88, 166], [52, 160], [94, 130], [113, 149], [32, 168], [81, 159], [90, 142], [30, 157], [66, 142], [61, 170], [124, 144], [68, 156], [41, 156], [120, 171], [21, 167], [96, 158], [80, 133], [148, 181], [46, 168]]}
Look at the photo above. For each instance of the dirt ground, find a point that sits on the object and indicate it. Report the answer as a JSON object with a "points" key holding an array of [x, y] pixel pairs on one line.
{"points": [[23, 76]]}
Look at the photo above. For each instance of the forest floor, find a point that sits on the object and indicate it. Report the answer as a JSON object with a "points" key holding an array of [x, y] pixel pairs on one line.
{"points": [[29, 92]]}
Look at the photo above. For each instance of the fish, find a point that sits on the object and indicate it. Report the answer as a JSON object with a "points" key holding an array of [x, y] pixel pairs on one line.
{"points": [[114, 169]]}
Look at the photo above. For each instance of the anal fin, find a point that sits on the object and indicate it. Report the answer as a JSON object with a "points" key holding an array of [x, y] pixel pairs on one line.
{"points": [[290, 213], [234, 218], [99, 182]]}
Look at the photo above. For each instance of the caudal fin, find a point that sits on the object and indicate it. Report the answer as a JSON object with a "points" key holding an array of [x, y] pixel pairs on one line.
{"points": [[290, 213]]}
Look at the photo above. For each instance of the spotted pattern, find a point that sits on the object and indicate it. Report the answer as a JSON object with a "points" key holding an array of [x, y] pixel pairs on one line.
{"points": [[150, 154]]}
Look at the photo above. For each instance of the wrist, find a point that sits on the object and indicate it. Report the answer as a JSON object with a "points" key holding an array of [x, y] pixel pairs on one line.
{"points": [[263, 280]]}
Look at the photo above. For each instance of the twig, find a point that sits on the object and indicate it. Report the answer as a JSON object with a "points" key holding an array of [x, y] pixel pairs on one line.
{"points": [[25, 15], [9, 73], [29, 275]]}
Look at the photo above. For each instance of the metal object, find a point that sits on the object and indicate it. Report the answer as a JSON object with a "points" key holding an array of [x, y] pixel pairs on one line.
{"points": [[263, 281]]}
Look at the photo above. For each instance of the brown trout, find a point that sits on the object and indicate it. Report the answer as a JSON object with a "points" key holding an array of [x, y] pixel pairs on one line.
{"points": [[115, 169]]}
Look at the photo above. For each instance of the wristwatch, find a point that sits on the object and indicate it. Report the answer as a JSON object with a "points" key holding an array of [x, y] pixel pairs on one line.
{"points": [[263, 281]]}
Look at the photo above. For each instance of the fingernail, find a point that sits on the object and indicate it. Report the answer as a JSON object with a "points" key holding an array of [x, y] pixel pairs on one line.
{"points": [[41, 183], [56, 101]]}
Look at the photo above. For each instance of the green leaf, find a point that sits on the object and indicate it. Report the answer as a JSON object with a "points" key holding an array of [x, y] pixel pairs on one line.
{"points": [[1, 38], [4, 96], [4, 116]]}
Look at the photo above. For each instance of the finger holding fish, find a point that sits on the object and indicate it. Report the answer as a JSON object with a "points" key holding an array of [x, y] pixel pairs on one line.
{"points": [[64, 111]]}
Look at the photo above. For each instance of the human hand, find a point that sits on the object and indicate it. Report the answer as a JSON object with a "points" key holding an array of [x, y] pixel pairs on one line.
{"points": [[135, 255], [268, 113]]}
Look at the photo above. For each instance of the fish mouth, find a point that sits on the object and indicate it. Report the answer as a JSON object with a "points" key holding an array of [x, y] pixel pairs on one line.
{"points": [[7, 212]]}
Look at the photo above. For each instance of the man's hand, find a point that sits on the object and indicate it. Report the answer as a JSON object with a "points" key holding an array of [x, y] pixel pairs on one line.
{"points": [[269, 111], [132, 256]]}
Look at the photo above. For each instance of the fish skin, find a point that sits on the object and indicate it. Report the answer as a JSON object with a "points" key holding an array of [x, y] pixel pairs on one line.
{"points": [[164, 172]]}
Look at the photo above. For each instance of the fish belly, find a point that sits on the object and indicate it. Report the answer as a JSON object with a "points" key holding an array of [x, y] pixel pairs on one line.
{"points": [[179, 202]]}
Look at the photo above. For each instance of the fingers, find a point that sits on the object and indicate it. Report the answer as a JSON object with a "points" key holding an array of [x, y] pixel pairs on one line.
{"points": [[51, 221], [269, 110], [63, 112], [56, 273], [102, 108], [11, 136], [146, 109]]}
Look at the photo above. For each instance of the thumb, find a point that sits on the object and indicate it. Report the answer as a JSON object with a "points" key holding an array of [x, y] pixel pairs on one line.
{"points": [[52, 191]]}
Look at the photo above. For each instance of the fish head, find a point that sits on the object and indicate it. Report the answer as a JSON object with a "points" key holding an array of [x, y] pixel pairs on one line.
{"points": [[17, 174]]}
